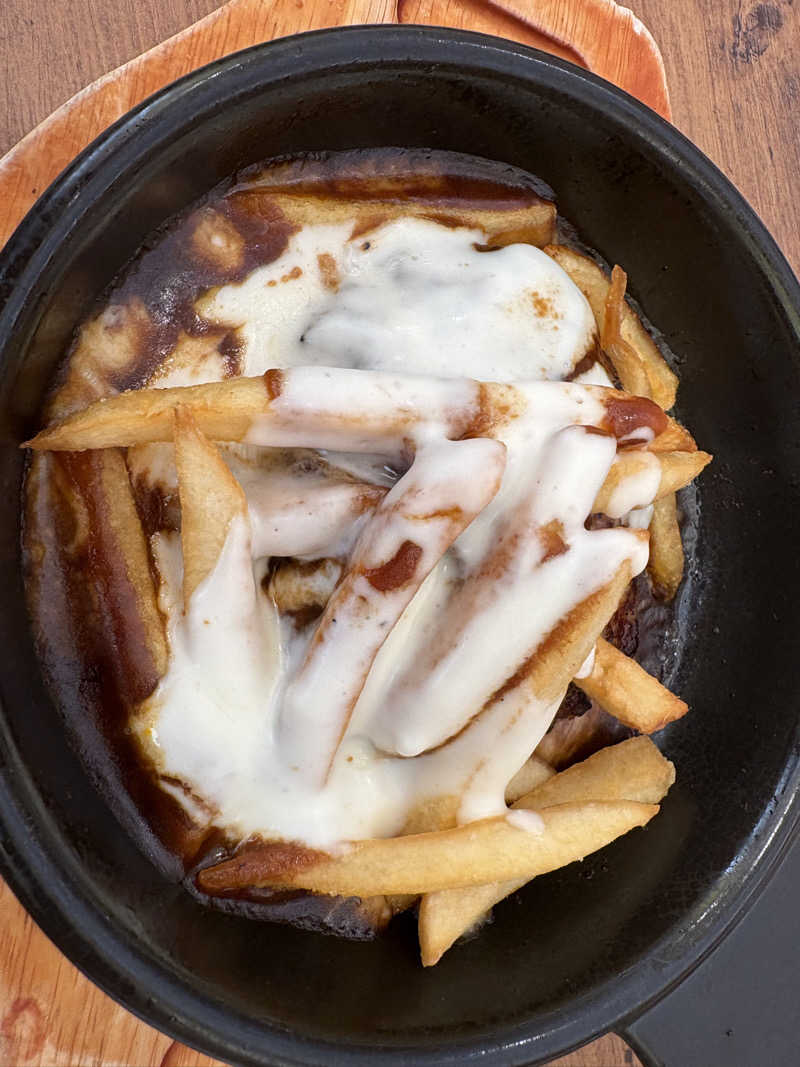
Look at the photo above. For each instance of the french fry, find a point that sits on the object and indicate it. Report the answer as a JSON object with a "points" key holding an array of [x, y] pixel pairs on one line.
{"points": [[532, 222], [631, 369], [595, 286], [446, 859], [677, 470], [300, 517], [533, 772], [446, 486], [634, 770], [491, 597], [223, 411], [675, 438], [624, 689], [210, 498], [513, 720], [314, 407], [631, 770], [666, 548], [301, 589], [118, 539], [126, 528], [340, 408]]}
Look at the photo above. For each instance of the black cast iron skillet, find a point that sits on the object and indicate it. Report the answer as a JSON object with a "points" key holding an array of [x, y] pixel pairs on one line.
{"points": [[580, 951]]}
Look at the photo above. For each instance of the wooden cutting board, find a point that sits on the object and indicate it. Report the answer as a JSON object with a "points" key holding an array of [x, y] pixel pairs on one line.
{"points": [[49, 1013]]}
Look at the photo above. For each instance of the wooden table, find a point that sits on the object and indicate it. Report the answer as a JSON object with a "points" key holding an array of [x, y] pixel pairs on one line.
{"points": [[734, 74]]}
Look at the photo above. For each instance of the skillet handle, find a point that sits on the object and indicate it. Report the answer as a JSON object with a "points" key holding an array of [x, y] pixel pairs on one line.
{"points": [[740, 1007]]}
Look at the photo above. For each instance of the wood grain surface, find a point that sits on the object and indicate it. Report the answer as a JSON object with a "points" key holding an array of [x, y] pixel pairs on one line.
{"points": [[733, 70]]}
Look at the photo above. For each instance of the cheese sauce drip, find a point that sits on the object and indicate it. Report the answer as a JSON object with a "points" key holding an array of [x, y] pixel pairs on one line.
{"points": [[430, 719]]}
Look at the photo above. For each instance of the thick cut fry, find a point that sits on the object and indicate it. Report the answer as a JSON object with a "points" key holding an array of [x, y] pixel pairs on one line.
{"points": [[630, 368], [631, 770], [420, 195], [675, 438], [628, 692], [533, 772], [223, 411], [126, 527], [677, 470], [634, 770], [120, 546], [519, 714], [445, 488], [313, 407], [210, 498], [593, 283], [447, 859], [666, 548], [451, 672], [342, 409], [303, 589], [301, 517]]}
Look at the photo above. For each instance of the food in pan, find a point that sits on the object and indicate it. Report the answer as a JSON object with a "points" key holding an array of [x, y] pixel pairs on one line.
{"points": [[338, 525]]}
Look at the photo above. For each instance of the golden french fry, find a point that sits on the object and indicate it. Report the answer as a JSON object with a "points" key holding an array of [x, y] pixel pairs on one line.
{"points": [[446, 859], [675, 438], [624, 689], [512, 721], [591, 280], [304, 518], [337, 408], [223, 411], [210, 498], [303, 589], [533, 772], [446, 486], [666, 548], [677, 470], [116, 530], [434, 813], [680, 468], [630, 368], [126, 527], [633, 770], [314, 407], [532, 222]]}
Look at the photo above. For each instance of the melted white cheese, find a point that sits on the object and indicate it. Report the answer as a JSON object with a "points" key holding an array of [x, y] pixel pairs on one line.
{"points": [[638, 490], [413, 297]]}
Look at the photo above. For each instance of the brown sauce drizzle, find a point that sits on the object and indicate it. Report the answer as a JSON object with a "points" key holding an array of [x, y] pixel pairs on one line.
{"points": [[329, 271], [273, 382], [397, 571], [231, 348], [552, 539], [625, 415]]}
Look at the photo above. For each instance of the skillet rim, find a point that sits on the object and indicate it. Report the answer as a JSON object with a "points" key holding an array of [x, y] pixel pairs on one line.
{"points": [[58, 894]]}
